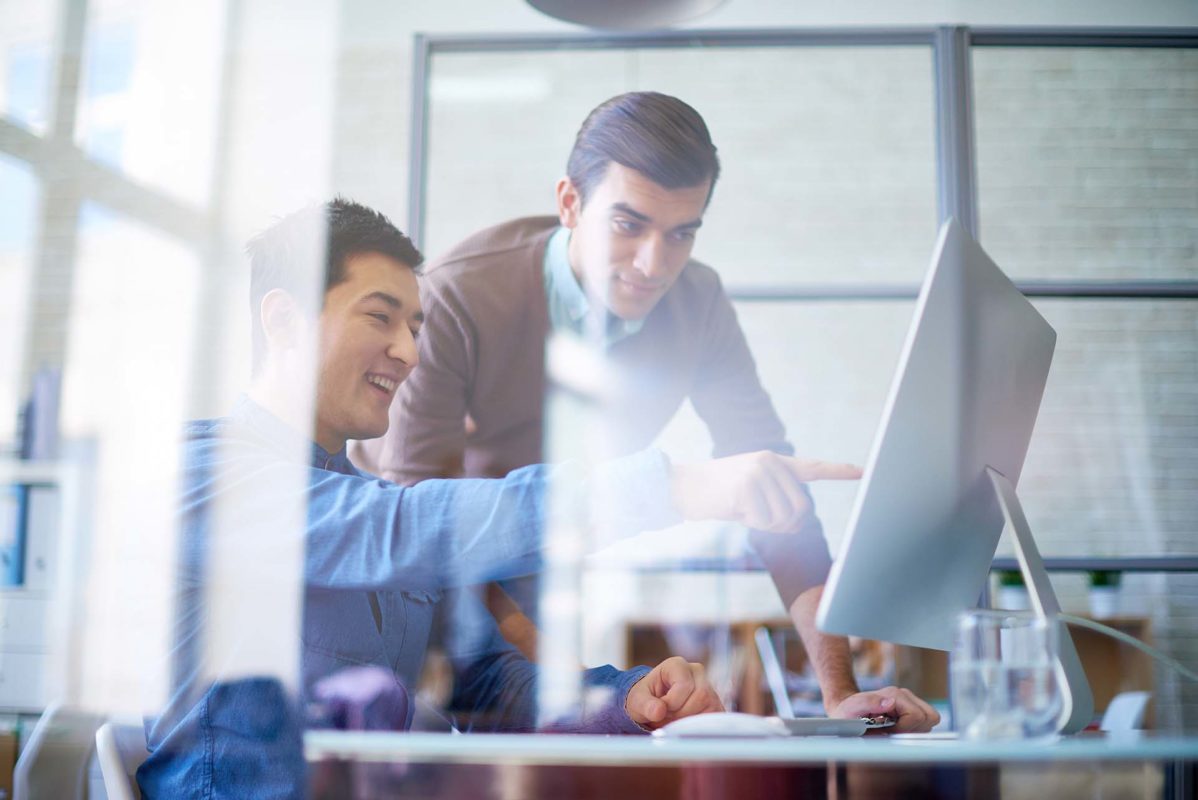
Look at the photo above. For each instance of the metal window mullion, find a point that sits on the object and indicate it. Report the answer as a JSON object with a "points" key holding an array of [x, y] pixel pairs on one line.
{"points": [[955, 155], [26, 146], [1076, 290], [417, 172], [57, 240], [69, 70], [752, 37], [1165, 563], [986, 36]]}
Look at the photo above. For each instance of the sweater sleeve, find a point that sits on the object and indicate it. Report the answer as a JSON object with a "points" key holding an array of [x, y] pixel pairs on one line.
{"points": [[727, 393], [728, 396]]}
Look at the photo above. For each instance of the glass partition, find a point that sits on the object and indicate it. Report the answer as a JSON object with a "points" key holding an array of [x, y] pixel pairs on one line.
{"points": [[28, 62], [149, 95], [1087, 161], [122, 265], [20, 196], [827, 153]]}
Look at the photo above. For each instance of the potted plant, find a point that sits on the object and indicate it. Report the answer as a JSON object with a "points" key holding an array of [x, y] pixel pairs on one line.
{"points": [[1104, 592], [1012, 594]]}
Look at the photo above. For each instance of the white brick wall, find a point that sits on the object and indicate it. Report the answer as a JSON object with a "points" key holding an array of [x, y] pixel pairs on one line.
{"points": [[1088, 168], [1088, 161]]}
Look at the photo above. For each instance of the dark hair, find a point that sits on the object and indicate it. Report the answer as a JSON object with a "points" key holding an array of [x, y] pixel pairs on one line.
{"points": [[659, 136], [287, 254]]}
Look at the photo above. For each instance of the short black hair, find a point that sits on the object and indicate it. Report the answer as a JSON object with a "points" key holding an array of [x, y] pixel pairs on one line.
{"points": [[655, 134], [284, 255]]}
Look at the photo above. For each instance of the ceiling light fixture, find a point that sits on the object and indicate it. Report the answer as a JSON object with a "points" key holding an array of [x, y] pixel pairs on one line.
{"points": [[626, 15]]}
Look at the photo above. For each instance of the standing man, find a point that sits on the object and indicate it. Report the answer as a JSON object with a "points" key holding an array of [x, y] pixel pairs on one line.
{"points": [[613, 267]]}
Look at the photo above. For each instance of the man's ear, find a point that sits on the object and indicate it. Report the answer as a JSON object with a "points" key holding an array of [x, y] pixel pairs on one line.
{"points": [[569, 203], [281, 320]]}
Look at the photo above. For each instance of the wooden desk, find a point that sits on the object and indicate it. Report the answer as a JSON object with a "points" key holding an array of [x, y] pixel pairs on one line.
{"points": [[506, 766]]}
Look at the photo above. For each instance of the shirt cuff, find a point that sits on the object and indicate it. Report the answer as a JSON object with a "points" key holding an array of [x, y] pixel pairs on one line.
{"points": [[628, 679], [632, 494], [605, 692]]}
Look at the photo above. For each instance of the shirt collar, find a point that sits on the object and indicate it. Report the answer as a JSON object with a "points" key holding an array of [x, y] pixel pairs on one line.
{"points": [[568, 303], [258, 419]]}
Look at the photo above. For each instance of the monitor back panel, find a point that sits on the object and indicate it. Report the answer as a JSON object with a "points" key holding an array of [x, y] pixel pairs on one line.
{"points": [[966, 394]]}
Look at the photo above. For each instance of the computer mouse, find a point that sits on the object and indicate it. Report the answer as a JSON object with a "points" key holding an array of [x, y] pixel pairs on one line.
{"points": [[724, 724]]}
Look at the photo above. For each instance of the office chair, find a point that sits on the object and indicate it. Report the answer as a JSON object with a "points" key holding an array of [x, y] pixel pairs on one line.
{"points": [[120, 749], [53, 763], [1126, 712]]}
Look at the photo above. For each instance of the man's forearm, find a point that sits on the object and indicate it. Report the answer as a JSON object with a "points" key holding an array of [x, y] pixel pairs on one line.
{"points": [[829, 654]]}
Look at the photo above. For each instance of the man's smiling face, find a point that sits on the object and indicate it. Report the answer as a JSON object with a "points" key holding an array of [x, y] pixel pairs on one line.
{"points": [[632, 238], [367, 347]]}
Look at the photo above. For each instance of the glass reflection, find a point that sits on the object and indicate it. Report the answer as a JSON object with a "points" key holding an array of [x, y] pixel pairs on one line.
{"points": [[149, 95], [126, 383], [20, 197], [27, 62]]}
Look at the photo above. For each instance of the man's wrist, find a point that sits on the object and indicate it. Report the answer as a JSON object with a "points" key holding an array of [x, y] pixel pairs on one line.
{"points": [[680, 479], [834, 697]]}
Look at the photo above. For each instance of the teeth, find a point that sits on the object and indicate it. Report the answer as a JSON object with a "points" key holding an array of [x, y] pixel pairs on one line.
{"points": [[382, 383]]}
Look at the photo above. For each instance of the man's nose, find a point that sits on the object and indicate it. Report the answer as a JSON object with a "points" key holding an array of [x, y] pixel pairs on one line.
{"points": [[405, 348], [650, 257]]}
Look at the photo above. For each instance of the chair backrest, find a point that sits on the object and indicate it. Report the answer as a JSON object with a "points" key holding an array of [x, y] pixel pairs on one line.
{"points": [[1125, 712], [120, 749], [53, 762]]}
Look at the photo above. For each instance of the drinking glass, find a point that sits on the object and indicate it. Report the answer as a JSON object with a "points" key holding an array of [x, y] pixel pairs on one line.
{"points": [[1003, 672]]}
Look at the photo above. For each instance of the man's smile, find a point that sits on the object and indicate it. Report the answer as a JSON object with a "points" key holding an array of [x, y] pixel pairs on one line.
{"points": [[638, 286], [383, 383]]}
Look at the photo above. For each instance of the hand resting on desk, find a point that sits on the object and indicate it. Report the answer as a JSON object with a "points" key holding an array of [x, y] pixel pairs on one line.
{"points": [[674, 689], [910, 713]]}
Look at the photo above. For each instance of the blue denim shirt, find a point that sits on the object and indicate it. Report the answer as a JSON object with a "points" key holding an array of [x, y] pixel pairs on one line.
{"points": [[380, 559]]}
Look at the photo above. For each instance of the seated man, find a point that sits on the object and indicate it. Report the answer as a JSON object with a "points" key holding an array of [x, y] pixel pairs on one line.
{"points": [[378, 557], [612, 269]]}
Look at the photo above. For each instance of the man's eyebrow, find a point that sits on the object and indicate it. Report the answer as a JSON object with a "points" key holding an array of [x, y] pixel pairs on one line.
{"points": [[392, 301], [389, 299], [624, 208]]}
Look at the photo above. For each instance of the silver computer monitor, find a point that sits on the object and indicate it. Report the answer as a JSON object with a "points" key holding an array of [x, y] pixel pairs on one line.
{"points": [[927, 519]]}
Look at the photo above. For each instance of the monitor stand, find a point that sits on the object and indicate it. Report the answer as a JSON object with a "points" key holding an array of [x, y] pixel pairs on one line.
{"points": [[1077, 701]]}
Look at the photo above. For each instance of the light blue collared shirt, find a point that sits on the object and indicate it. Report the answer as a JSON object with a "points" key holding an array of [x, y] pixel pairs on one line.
{"points": [[569, 306], [378, 560]]}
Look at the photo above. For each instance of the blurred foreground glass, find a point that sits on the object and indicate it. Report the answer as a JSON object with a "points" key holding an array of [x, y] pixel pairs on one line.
{"points": [[149, 93], [126, 388], [20, 194], [27, 62], [1003, 675]]}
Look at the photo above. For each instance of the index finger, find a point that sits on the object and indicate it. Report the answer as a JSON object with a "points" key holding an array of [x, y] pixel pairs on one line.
{"points": [[807, 470]]}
